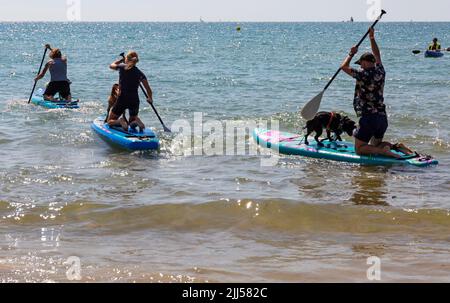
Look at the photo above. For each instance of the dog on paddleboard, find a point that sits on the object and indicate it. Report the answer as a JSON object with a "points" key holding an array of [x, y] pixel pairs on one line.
{"points": [[333, 123]]}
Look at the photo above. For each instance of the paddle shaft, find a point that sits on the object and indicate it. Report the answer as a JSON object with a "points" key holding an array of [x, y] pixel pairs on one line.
{"points": [[39, 71], [357, 45], [153, 107]]}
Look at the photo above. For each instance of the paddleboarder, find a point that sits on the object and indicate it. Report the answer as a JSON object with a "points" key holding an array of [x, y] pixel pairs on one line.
{"points": [[130, 79], [435, 45], [369, 103], [59, 83]]}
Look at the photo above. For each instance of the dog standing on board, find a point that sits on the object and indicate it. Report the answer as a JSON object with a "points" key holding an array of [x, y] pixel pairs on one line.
{"points": [[333, 123]]}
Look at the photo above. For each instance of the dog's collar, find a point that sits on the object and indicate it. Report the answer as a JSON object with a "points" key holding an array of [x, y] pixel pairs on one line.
{"points": [[331, 120]]}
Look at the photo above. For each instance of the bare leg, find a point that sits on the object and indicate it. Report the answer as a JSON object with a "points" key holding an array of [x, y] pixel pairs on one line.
{"points": [[381, 144], [363, 148], [399, 146], [49, 98], [136, 121], [113, 120], [404, 149]]}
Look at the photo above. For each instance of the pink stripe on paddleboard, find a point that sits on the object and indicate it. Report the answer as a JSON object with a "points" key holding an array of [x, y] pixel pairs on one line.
{"points": [[276, 136]]}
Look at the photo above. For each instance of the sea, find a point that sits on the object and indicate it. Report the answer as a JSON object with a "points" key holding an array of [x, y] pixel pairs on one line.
{"points": [[76, 208]]}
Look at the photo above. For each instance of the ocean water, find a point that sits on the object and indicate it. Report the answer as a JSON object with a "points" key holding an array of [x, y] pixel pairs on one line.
{"points": [[162, 216]]}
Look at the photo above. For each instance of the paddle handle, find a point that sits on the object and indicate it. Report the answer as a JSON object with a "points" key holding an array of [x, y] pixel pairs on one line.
{"points": [[39, 71], [357, 45], [383, 12]]}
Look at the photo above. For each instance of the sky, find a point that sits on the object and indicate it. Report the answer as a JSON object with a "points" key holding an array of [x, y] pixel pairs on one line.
{"points": [[221, 10]]}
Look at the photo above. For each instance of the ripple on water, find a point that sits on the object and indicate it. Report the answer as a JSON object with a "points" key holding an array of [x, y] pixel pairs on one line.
{"points": [[217, 218]]}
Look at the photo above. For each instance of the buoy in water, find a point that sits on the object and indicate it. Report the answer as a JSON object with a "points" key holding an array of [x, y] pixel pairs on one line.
{"points": [[238, 28]]}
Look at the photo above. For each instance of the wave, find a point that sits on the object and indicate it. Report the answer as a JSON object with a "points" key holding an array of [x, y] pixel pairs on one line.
{"points": [[239, 215]]}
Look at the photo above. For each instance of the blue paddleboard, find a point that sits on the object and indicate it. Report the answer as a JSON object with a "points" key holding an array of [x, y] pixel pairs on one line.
{"points": [[38, 99], [131, 140]]}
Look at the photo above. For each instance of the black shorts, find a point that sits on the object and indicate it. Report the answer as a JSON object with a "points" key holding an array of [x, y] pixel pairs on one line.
{"points": [[126, 102], [60, 87], [372, 126]]}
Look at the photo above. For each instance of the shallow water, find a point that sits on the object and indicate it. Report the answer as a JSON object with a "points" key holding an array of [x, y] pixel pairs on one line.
{"points": [[163, 216]]}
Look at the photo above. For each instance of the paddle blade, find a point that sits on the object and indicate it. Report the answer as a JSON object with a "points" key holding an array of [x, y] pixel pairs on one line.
{"points": [[310, 110], [166, 129], [415, 52]]}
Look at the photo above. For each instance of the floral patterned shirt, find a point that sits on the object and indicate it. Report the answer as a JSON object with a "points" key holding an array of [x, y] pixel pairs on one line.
{"points": [[369, 91]]}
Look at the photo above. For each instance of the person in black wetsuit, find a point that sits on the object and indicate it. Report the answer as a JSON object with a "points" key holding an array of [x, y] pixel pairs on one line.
{"points": [[130, 77]]}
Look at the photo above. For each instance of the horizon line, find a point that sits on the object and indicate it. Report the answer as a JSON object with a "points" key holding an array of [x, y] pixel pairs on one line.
{"points": [[216, 21]]}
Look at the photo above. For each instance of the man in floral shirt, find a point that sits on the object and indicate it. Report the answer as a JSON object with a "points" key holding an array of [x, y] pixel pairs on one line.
{"points": [[369, 103]]}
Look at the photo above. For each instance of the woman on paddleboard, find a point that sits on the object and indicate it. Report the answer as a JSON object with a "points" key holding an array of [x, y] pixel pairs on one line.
{"points": [[59, 83], [369, 103], [130, 78]]}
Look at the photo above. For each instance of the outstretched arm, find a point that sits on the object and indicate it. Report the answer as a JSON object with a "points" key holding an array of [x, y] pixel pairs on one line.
{"points": [[375, 49], [346, 64]]}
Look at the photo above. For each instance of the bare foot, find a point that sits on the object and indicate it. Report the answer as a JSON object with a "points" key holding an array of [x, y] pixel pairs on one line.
{"points": [[387, 152], [49, 98], [402, 148], [124, 125], [141, 125]]}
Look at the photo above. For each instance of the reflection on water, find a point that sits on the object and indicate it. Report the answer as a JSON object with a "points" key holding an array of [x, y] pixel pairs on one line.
{"points": [[370, 187], [162, 217]]}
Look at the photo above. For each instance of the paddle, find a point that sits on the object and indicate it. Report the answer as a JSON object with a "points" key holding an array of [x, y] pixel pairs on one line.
{"points": [[312, 107], [39, 71], [166, 129], [416, 51]]}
